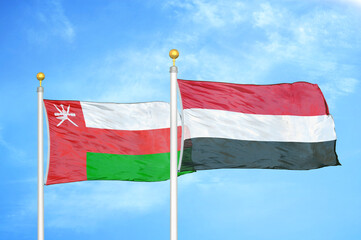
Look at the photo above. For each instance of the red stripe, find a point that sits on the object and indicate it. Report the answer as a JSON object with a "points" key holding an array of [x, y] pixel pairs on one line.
{"points": [[69, 144], [300, 98]]}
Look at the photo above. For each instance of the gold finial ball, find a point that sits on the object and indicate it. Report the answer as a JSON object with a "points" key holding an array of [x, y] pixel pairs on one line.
{"points": [[40, 76], [173, 53]]}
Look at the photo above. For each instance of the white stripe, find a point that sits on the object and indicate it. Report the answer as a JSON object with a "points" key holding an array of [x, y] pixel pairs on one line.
{"points": [[135, 116], [256, 127]]}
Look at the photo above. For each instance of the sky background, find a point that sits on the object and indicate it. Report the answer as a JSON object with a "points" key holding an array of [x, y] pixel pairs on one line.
{"points": [[117, 51]]}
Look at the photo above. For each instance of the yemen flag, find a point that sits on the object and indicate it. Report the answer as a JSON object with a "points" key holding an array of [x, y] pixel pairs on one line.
{"points": [[108, 141], [281, 126]]}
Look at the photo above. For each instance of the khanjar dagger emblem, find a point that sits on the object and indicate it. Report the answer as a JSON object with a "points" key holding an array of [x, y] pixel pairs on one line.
{"points": [[64, 115]]}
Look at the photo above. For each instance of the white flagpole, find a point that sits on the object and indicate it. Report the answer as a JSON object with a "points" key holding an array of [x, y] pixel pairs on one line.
{"points": [[173, 148], [40, 76]]}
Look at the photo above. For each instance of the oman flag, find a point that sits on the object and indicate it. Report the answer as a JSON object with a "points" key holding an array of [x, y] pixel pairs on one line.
{"points": [[281, 126], [108, 141]]}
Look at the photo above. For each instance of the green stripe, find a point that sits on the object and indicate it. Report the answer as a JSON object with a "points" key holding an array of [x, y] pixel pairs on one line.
{"points": [[142, 168]]}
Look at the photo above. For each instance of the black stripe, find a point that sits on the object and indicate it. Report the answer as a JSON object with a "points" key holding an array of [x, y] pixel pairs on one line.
{"points": [[215, 153]]}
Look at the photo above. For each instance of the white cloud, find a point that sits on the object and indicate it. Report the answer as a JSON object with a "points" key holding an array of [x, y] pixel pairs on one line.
{"points": [[267, 16], [86, 204], [335, 88], [211, 13], [83, 205], [131, 76], [12, 149], [348, 85], [214, 186], [353, 2], [52, 22]]}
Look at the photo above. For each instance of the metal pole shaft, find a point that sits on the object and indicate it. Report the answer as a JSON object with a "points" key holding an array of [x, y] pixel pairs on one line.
{"points": [[40, 91], [173, 155]]}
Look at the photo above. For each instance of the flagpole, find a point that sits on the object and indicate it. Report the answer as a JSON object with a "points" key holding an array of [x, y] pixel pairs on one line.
{"points": [[40, 76], [173, 148]]}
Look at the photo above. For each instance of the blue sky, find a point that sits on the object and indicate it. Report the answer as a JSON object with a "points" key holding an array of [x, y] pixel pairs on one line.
{"points": [[118, 51]]}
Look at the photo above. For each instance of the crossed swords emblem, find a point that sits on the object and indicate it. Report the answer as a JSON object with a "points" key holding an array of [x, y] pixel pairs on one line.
{"points": [[64, 115]]}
